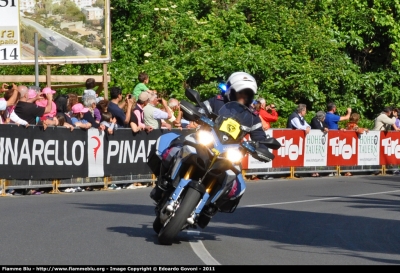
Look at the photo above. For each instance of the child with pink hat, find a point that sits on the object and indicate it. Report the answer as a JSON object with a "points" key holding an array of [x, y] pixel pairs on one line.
{"points": [[78, 110]]}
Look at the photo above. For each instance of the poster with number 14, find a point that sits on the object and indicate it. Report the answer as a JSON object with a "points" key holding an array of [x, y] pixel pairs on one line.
{"points": [[9, 31]]}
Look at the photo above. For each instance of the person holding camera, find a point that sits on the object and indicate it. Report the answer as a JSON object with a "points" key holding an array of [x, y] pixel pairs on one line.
{"points": [[26, 107], [117, 104], [175, 121], [13, 99], [153, 116], [267, 114], [385, 120]]}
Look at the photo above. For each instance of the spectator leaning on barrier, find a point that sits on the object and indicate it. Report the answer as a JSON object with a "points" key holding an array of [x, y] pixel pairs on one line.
{"points": [[109, 122], [153, 115], [385, 120], [27, 110], [117, 104], [318, 122], [332, 120], [60, 117], [296, 119], [93, 116], [353, 124], [78, 111], [137, 117]]}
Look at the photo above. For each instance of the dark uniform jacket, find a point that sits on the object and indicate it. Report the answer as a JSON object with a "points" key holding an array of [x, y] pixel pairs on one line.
{"points": [[256, 131]]}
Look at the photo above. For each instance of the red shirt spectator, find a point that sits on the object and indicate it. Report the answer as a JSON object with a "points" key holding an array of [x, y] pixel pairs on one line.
{"points": [[268, 115]]}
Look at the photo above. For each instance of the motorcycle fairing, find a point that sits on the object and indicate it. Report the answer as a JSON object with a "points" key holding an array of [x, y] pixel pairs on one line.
{"points": [[164, 142]]}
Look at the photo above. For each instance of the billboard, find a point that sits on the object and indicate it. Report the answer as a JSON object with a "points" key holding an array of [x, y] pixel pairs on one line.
{"points": [[69, 31]]}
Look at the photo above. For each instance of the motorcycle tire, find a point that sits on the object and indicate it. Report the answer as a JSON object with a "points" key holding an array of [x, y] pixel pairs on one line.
{"points": [[157, 225], [186, 207]]}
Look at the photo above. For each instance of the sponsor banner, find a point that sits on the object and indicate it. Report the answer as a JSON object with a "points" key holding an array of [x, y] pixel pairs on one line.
{"points": [[342, 148], [316, 148], [9, 31], [126, 153], [291, 153], [390, 148], [95, 150], [31, 153], [78, 34], [253, 163], [368, 148]]}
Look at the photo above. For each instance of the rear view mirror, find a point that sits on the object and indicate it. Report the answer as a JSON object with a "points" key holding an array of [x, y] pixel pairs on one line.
{"points": [[271, 143], [193, 95], [190, 112], [263, 154]]}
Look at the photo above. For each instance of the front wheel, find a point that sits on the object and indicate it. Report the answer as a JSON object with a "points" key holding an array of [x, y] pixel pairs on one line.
{"points": [[157, 225], [186, 207]]}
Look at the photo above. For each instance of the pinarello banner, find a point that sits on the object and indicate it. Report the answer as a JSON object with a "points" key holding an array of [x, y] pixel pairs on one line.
{"points": [[58, 153], [34, 153], [335, 148]]}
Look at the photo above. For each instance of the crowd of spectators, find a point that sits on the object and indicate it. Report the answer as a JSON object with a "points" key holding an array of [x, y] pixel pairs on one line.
{"points": [[144, 109]]}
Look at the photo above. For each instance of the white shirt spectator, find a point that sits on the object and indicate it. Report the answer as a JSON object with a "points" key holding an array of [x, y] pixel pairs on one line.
{"points": [[297, 124]]}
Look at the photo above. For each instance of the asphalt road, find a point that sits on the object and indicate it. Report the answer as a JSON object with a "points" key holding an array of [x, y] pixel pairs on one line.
{"points": [[60, 41], [309, 221]]}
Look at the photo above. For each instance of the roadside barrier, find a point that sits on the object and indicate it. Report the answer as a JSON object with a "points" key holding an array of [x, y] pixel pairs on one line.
{"points": [[56, 158], [334, 152]]}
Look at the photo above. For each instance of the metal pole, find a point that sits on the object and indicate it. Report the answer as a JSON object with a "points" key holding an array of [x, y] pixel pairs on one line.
{"points": [[36, 61]]}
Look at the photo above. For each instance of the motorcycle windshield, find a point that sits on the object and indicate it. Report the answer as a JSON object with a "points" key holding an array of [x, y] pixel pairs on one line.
{"points": [[233, 122]]}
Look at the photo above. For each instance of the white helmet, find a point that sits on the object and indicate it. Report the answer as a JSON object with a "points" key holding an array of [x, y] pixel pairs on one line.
{"points": [[238, 82]]}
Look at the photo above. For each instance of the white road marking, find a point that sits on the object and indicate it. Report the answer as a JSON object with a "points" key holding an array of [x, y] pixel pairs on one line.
{"points": [[200, 250], [319, 199]]}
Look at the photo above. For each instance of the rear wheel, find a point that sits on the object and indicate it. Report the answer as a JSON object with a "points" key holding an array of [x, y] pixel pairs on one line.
{"points": [[186, 207]]}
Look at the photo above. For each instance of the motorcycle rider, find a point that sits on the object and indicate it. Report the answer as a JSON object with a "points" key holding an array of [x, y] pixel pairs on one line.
{"points": [[241, 87]]}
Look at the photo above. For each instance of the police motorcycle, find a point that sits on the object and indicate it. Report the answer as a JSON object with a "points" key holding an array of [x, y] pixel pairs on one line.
{"points": [[203, 170]]}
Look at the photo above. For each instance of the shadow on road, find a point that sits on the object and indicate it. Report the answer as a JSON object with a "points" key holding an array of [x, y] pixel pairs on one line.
{"points": [[343, 234]]}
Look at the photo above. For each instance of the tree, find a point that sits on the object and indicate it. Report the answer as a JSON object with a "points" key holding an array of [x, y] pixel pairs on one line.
{"points": [[99, 3], [71, 50]]}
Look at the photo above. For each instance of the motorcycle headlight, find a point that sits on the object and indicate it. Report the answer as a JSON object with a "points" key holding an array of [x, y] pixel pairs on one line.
{"points": [[234, 155], [205, 138]]}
